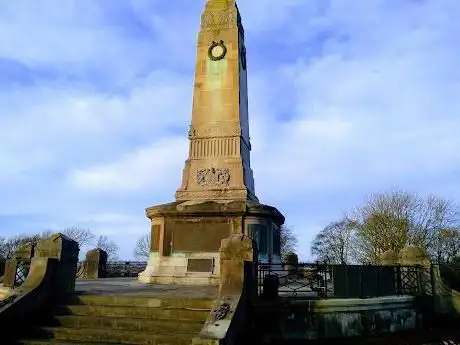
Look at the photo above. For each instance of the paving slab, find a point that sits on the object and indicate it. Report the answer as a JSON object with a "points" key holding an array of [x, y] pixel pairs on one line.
{"points": [[132, 287]]}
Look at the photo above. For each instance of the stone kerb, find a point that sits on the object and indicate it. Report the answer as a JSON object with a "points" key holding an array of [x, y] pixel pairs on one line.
{"points": [[231, 315], [95, 265]]}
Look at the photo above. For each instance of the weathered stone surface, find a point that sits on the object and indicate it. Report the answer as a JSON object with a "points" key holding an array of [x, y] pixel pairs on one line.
{"points": [[95, 264], [218, 166], [122, 310], [231, 315], [194, 230], [32, 296], [22, 256], [65, 250], [389, 258], [412, 255], [216, 198], [336, 318], [235, 251], [9, 277]]}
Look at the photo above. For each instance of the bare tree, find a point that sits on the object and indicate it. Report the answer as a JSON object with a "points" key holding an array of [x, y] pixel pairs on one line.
{"points": [[288, 240], [392, 220], [82, 236], [142, 250], [8, 246], [334, 243], [110, 247], [446, 248]]}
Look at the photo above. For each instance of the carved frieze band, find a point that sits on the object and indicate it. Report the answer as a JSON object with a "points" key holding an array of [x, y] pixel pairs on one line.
{"points": [[211, 194], [214, 147], [213, 177], [218, 20], [216, 129]]}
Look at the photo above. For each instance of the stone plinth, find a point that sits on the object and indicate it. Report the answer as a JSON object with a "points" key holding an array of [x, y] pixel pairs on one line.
{"points": [[186, 238]]}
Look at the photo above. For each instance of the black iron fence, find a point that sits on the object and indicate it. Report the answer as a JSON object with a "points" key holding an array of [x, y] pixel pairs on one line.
{"points": [[319, 280], [22, 271], [124, 268]]}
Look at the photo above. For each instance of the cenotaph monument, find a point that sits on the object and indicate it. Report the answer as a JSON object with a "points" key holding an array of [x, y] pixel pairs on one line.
{"points": [[217, 196]]}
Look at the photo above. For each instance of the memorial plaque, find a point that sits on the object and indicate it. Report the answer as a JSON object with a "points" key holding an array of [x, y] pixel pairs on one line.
{"points": [[204, 235], [200, 265]]}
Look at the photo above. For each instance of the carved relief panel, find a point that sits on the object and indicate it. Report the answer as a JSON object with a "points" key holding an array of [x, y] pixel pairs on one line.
{"points": [[213, 177]]}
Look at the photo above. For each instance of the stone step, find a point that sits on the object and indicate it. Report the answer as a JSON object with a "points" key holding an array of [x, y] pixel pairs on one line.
{"points": [[124, 323], [140, 301], [54, 342], [177, 314], [114, 336]]}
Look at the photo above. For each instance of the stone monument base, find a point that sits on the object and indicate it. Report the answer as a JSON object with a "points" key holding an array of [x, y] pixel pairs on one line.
{"points": [[186, 238]]}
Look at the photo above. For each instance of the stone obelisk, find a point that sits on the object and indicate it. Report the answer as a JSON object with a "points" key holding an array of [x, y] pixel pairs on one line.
{"points": [[216, 197], [218, 166]]}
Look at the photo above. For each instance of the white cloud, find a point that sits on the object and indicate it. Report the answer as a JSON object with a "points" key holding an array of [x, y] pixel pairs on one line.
{"points": [[147, 167], [345, 98]]}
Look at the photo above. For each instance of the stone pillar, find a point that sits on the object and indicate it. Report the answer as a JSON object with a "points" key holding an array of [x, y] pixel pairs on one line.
{"points": [[413, 256], [237, 262], [62, 248], [95, 264], [11, 267], [22, 257], [291, 263], [417, 257], [389, 258], [233, 311]]}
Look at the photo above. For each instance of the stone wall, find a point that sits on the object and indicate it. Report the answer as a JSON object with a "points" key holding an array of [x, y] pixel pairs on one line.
{"points": [[317, 319]]}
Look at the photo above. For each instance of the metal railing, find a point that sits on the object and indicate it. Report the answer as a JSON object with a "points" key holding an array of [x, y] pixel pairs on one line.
{"points": [[322, 280], [124, 268], [22, 271]]}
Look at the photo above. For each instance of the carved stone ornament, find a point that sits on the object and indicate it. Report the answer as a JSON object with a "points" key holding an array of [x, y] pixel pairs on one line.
{"points": [[212, 177], [219, 20], [191, 132], [221, 312], [217, 50]]}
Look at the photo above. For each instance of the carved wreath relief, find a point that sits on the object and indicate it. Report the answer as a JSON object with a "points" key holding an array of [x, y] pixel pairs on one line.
{"points": [[213, 177], [217, 50]]}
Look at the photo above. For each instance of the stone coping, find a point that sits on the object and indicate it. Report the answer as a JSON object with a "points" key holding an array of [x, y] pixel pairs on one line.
{"points": [[357, 304], [132, 287], [215, 207]]}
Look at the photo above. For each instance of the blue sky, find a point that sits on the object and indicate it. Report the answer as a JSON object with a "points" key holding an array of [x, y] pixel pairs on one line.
{"points": [[346, 98]]}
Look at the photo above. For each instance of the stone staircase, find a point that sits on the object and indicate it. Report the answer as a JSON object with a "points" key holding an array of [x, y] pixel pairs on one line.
{"points": [[122, 319]]}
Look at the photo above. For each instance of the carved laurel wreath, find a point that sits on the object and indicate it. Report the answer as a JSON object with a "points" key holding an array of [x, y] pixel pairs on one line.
{"points": [[221, 312], [215, 44]]}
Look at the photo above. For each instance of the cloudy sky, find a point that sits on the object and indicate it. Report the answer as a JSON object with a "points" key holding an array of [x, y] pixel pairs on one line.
{"points": [[346, 98]]}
